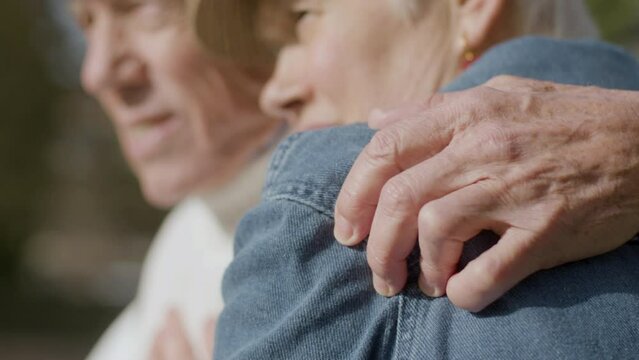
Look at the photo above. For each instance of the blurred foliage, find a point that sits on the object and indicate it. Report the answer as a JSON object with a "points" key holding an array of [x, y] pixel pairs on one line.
{"points": [[618, 19], [26, 96]]}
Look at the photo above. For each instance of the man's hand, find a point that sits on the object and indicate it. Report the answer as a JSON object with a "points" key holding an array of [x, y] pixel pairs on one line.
{"points": [[552, 169]]}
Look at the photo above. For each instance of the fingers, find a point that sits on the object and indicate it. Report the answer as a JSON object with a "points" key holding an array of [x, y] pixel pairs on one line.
{"points": [[393, 232], [171, 342], [209, 336], [444, 226], [391, 151], [494, 272]]}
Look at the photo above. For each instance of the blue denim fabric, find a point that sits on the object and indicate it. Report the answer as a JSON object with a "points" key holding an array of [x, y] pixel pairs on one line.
{"points": [[292, 292]]}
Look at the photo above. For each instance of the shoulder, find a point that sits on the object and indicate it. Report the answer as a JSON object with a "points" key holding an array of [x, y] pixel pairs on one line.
{"points": [[310, 167], [577, 62]]}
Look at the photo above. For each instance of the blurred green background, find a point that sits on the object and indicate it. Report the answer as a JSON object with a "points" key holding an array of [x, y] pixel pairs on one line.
{"points": [[73, 225]]}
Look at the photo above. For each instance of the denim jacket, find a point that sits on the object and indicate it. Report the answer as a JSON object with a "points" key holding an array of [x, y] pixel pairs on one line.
{"points": [[292, 292]]}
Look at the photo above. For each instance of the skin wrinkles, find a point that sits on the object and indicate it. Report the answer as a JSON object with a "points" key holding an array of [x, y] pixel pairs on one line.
{"points": [[344, 74], [187, 122], [553, 169], [340, 61]]}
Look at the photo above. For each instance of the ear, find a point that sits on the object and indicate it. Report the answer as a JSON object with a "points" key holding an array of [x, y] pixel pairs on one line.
{"points": [[478, 20]]}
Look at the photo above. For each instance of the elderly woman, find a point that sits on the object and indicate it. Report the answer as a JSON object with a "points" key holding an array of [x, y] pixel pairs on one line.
{"points": [[191, 129], [291, 292]]}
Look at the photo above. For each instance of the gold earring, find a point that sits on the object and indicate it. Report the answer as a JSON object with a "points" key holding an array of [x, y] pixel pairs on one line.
{"points": [[468, 55]]}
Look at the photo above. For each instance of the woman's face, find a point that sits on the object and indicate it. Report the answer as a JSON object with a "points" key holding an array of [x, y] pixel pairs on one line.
{"points": [[352, 56]]}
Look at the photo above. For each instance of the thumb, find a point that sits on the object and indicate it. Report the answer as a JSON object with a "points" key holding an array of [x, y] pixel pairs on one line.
{"points": [[494, 272]]}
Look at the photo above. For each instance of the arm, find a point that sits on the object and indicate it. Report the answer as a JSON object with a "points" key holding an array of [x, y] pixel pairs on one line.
{"points": [[293, 293], [552, 168]]}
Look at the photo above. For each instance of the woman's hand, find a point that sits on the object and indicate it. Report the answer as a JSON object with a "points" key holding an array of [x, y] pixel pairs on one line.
{"points": [[553, 169], [172, 340]]}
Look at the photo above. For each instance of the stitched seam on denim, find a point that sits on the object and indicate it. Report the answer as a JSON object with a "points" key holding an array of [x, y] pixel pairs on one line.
{"points": [[305, 194], [280, 157], [303, 202], [408, 337], [386, 338]]}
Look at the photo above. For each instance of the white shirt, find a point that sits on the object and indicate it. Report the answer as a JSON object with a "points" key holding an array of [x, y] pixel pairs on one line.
{"points": [[183, 270]]}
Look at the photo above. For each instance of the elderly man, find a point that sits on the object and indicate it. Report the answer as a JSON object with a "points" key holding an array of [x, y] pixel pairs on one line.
{"points": [[191, 130]]}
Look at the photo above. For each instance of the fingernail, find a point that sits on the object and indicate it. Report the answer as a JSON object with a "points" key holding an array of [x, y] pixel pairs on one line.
{"points": [[376, 115], [344, 232], [382, 287], [430, 290]]}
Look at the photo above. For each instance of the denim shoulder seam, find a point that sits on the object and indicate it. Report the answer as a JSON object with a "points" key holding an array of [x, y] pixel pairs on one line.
{"points": [[280, 157], [296, 199], [304, 193]]}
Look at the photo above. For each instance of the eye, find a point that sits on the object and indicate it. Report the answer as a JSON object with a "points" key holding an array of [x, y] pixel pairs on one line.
{"points": [[82, 15], [85, 21], [299, 14], [303, 14]]}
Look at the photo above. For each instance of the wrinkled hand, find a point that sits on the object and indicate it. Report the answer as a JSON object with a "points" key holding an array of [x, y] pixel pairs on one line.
{"points": [[172, 342], [552, 169]]}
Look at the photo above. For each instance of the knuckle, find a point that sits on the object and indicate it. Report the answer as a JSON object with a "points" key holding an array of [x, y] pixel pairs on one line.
{"points": [[433, 220], [498, 189], [380, 259], [434, 100], [520, 84], [348, 201], [383, 147], [499, 143], [488, 273], [431, 270], [397, 197]]}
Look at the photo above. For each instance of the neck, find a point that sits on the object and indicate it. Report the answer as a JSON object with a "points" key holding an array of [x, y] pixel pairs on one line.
{"points": [[231, 201]]}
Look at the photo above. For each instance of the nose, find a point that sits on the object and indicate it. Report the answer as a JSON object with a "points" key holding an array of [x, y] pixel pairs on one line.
{"points": [[109, 62], [287, 92]]}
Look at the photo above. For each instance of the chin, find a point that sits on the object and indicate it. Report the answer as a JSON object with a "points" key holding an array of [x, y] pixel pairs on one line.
{"points": [[160, 201], [162, 195]]}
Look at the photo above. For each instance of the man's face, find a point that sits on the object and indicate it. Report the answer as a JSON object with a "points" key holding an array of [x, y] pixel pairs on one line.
{"points": [[185, 122]]}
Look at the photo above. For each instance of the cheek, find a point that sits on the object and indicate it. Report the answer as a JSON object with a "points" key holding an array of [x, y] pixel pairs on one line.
{"points": [[193, 87], [328, 70]]}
